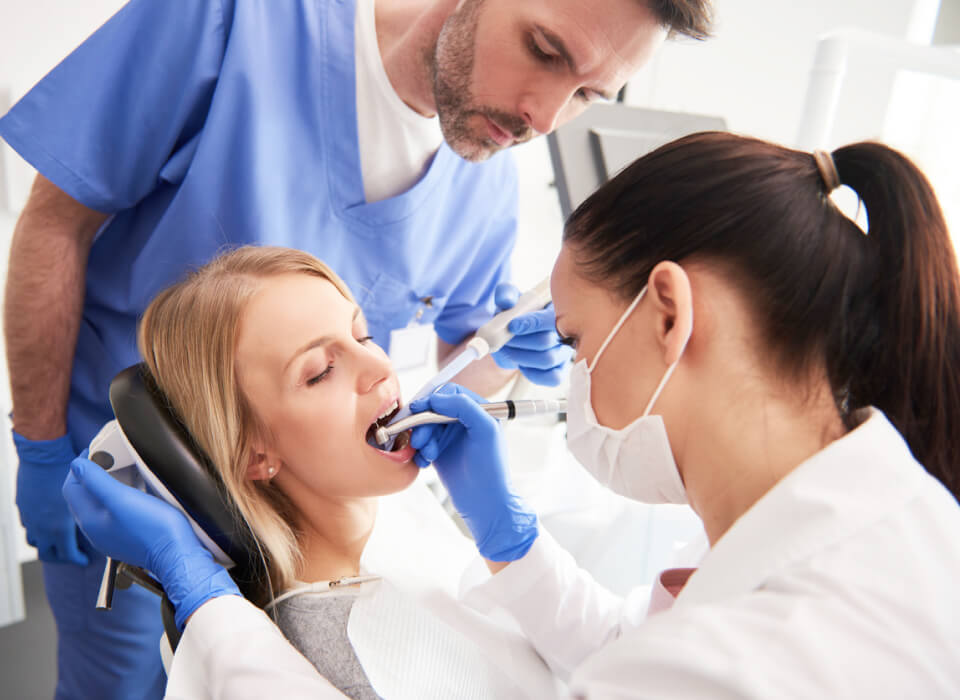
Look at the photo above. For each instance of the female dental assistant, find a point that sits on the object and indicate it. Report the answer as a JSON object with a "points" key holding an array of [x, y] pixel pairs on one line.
{"points": [[796, 382], [783, 368]]}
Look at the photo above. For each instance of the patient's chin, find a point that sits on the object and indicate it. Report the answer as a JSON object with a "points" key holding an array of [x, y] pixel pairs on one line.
{"points": [[397, 478]]}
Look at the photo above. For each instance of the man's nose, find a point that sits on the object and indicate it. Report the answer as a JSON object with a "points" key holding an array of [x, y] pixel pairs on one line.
{"points": [[542, 109]]}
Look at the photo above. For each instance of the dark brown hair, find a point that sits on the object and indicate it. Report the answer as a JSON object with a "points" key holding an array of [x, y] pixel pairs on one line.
{"points": [[881, 312], [692, 18]]}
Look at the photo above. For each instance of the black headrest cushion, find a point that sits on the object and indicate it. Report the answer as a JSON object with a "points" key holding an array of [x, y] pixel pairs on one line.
{"points": [[158, 436]]}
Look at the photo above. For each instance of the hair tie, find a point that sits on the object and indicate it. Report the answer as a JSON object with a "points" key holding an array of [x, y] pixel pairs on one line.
{"points": [[828, 170]]}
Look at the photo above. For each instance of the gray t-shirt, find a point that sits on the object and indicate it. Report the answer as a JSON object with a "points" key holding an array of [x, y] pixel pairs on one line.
{"points": [[316, 624]]}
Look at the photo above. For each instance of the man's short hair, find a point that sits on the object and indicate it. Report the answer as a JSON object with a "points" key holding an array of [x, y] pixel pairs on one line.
{"points": [[692, 18]]}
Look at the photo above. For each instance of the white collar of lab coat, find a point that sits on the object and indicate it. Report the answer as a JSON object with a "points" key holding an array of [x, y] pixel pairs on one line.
{"points": [[848, 485]]}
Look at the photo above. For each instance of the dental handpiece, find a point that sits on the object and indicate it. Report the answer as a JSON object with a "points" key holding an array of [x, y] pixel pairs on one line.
{"points": [[489, 338], [501, 410]]}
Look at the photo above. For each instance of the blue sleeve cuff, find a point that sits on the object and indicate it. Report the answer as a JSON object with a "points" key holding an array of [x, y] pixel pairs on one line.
{"points": [[16, 134]]}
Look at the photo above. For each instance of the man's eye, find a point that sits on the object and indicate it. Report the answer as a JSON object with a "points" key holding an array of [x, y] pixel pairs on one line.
{"points": [[538, 53], [313, 381]]}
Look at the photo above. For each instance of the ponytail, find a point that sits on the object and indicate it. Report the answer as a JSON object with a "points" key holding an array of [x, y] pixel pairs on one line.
{"points": [[899, 349]]}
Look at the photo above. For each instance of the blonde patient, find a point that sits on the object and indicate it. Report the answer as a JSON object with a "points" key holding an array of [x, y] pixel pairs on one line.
{"points": [[264, 356]]}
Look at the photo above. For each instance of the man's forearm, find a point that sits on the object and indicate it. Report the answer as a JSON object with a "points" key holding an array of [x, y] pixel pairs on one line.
{"points": [[43, 306]]}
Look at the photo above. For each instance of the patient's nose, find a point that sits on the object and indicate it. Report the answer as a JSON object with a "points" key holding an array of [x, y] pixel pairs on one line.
{"points": [[374, 367]]}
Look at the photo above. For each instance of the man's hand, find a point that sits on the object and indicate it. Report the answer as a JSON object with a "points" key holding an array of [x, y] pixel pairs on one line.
{"points": [[535, 348], [43, 512]]}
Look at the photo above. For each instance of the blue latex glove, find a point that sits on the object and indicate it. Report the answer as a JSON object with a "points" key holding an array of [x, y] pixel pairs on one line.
{"points": [[469, 457], [43, 512], [139, 529], [535, 349]]}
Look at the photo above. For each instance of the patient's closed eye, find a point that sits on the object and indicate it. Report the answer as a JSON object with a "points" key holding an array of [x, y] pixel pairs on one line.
{"points": [[316, 379]]}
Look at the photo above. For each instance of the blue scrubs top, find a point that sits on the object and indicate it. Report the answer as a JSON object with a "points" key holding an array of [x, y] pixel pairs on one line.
{"points": [[201, 124]]}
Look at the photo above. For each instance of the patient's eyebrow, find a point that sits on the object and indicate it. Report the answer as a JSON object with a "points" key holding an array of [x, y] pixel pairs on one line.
{"points": [[318, 342]]}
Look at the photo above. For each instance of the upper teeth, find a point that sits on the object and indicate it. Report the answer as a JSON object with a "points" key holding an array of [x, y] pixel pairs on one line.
{"points": [[393, 407]]}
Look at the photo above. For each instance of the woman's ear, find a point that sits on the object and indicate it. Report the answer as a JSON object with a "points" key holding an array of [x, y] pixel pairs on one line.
{"points": [[669, 289], [263, 465]]}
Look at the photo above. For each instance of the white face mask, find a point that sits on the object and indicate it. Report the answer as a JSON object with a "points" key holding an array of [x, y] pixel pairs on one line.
{"points": [[635, 461]]}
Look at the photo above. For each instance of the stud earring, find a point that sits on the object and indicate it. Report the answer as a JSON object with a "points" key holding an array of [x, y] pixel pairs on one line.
{"points": [[271, 471]]}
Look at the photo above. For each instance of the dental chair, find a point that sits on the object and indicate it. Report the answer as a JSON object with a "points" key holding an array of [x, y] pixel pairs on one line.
{"points": [[147, 447]]}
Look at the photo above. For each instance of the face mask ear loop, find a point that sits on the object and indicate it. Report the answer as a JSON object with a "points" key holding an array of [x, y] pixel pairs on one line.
{"points": [[666, 377], [663, 383], [623, 319]]}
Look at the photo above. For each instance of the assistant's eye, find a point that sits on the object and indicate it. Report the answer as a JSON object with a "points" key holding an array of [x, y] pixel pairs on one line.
{"points": [[313, 381], [568, 340]]}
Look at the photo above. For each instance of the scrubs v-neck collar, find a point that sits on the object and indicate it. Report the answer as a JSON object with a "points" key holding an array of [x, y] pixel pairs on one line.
{"points": [[345, 180]]}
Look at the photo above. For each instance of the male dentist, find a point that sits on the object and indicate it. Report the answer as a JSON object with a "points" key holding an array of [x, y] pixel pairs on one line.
{"points": [[367, 132]]}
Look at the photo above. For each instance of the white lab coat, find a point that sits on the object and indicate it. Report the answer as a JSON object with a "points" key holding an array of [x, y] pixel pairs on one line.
{"points": [[840, 582]]}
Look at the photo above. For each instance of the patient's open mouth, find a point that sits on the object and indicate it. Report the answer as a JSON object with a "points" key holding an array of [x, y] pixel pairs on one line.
{"points": [[401, 441]]}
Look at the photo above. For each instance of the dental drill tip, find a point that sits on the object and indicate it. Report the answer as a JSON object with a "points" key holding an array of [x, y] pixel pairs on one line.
{"points": [[382, 436]]}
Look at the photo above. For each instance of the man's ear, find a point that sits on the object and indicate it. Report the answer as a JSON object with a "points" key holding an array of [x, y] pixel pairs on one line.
{"points": [[669, 289]]}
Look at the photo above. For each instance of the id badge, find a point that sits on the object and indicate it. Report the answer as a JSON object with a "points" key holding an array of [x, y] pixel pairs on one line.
{"points": [[410, 346]]}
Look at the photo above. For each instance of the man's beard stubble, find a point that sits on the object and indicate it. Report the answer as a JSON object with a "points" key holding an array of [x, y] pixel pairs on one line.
{"points": [[451, 65]]}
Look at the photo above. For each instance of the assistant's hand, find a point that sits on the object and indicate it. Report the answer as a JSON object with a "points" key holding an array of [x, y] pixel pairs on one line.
{"points": [[470, 460], [43, 512], [535, 348], [139, 529]]}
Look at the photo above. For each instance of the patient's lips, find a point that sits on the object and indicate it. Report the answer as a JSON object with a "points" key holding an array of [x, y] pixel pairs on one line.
{"points": [[398, 454], [401, 451]]}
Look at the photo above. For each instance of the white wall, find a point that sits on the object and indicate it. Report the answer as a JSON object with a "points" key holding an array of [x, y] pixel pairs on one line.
{"points": [[754, 71], [35, 35]]}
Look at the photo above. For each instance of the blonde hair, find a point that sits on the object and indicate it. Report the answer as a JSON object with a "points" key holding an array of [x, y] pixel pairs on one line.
{"points": [[188, 337]]}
